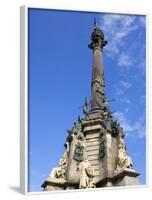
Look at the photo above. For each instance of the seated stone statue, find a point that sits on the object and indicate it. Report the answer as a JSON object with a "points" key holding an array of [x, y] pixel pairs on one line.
{"points": [[59, 172], [123, 160], [86, 175]]}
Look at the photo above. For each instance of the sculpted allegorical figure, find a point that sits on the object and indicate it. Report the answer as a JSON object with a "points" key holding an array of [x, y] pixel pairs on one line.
{"points": [[123, 160], [59, 172], [86, 175]]}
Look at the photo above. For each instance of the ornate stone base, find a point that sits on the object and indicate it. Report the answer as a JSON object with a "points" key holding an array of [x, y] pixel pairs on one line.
{"points": [[52, 184], [125, 177]]}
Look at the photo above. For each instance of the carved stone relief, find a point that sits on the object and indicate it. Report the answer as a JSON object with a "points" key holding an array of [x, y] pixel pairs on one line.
{"points": [[102, 145], [78, 152]]}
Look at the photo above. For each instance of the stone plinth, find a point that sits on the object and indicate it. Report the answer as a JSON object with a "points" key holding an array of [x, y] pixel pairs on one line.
{"points": [[126, 177], [52, 184]]}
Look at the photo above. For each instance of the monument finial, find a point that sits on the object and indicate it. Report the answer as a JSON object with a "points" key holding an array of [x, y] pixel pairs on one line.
{"points": [[95, 23]]}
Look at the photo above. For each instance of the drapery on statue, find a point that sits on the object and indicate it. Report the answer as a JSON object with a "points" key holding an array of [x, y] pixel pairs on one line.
{"points": [[86, 175], [123, 161]]}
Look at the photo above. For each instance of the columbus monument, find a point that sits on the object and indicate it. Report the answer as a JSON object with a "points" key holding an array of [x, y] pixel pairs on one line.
{"points": [[95, 154]]}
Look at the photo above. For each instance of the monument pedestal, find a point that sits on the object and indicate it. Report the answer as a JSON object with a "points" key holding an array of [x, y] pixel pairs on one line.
{"points": [[52, 184], [126, 177]]}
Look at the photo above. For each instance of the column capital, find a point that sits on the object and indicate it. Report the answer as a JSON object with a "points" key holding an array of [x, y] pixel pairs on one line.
{"points": [[97, 39]]}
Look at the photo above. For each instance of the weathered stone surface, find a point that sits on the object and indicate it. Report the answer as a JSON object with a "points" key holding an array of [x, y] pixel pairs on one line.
{"points": [[92, 143], [54, 184], [93, 135], [93, 157], [94, 162], [90, 140], [97, 173], [93, 152], [96, 167], [126, 177], [92, 148], [92, 128], [127, 180], [53, 188], [93, 118]]}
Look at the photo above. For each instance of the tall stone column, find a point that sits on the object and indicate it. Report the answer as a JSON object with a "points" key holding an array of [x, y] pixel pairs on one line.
{"points": [[97, 84]]}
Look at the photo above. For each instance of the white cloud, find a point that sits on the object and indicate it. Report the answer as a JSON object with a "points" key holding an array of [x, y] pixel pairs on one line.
{"points": [[125, 100], [123, 121], [121, 88], [122, 47], [124, 60], [136, 129], [125, 84], [116, 27], [119, 91]]}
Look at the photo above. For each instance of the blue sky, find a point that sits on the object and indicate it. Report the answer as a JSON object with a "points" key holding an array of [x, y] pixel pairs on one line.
{"points": [[60, 65]]}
